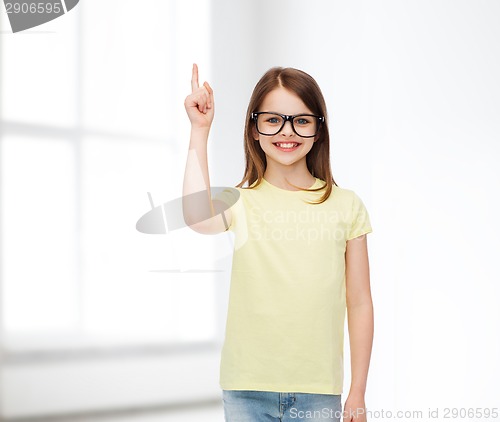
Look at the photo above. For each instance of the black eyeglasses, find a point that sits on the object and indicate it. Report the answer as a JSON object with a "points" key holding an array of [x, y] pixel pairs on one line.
{"points": [[304, 125]]}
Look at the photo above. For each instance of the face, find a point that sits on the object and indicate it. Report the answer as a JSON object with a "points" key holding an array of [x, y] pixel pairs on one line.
{"points": [[277, 147]]}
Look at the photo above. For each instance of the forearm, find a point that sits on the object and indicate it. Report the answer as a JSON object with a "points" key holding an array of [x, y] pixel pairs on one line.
{"points": [[197, 203], [360, 325]]}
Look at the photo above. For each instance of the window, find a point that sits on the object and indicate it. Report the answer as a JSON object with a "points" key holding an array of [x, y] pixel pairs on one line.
{"points": [[92, 119]]}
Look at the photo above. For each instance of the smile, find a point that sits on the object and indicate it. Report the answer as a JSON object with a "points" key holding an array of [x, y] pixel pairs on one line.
{"points": [[286, 146]]}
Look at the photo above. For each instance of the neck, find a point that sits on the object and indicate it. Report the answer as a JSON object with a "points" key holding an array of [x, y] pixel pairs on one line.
{"points": [[280, 175]]}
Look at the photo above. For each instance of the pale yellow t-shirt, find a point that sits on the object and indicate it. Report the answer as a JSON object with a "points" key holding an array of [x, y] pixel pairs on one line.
{"points": [[287, 300]]}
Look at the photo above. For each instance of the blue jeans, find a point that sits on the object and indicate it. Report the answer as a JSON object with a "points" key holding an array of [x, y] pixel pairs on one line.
{"points": [[268, 406]]}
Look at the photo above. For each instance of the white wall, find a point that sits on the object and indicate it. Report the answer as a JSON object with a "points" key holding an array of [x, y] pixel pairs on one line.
{"points": [[412, 91], [234, 75]]}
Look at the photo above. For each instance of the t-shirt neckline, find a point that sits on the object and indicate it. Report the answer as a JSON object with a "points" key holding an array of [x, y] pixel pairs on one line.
{"points": [[314, 185]]}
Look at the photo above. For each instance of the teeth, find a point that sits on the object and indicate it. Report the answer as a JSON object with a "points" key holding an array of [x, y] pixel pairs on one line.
{"points": [[287, 145]]}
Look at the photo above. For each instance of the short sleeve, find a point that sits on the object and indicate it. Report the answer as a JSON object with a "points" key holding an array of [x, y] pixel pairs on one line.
{"points": [[360, 220], [229, 197]]}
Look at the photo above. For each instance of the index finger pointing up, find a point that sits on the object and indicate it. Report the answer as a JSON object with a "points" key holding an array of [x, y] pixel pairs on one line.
{"points": [[194, 78]]}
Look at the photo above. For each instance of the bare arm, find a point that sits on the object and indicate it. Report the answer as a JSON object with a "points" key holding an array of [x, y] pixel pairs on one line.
{"points": [[200, 212], [360, 322]]}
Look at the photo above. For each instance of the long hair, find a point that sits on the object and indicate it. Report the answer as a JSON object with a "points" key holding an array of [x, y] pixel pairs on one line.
{"points": [[318, 158]]}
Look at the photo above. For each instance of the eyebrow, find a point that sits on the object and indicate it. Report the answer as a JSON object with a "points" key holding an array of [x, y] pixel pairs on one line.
{"points": [[296, 114]]}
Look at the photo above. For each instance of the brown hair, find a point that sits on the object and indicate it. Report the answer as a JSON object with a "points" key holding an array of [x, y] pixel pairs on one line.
{"points": [[318, 158]]}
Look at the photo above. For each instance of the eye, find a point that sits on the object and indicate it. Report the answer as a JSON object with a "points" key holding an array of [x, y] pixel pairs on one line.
{"points": [[302, 120], [273, 119]]}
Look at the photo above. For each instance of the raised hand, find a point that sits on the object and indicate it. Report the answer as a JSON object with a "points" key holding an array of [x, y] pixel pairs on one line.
{"points": [[200, 103]]}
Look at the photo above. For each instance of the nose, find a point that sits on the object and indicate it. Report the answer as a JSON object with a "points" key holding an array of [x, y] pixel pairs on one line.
{"points": [[287, 129]]}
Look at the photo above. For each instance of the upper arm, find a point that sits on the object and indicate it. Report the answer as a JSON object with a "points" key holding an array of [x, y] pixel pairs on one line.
{"points": [[220, 207], [219, 223], [357, 271]]}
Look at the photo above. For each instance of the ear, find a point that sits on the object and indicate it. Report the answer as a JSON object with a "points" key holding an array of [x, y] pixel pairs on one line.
{"points": [[255, 134]]}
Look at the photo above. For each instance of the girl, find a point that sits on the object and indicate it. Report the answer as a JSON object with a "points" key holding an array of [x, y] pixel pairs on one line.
{"points": [[300, 257]]}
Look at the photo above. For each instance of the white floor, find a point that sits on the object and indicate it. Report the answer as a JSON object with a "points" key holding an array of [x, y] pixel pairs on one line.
{"points": [[208, 414], [205, 413]]}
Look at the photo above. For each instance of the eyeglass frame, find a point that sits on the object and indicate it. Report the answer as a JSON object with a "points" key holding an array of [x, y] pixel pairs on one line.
{"points": [[287, 118]]}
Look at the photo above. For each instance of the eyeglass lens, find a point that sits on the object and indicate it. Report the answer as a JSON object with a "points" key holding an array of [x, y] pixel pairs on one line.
{"points": [[270, 124]]}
